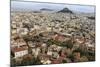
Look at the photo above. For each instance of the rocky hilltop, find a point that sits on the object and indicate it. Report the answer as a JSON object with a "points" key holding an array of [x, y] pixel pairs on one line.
{"points": [[65, 10]]}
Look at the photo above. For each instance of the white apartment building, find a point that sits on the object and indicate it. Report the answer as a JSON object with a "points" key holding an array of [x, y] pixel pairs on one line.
{"points": [[19, 52]]}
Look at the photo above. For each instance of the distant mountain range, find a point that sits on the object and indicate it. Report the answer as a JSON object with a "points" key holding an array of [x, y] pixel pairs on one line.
{"points": [[46, 9], [63, 10], [36, 6]]}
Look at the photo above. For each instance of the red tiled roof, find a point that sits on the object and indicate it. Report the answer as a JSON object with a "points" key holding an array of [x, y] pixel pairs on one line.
{"points": [[55, 62], [58, 37], [16, 49], [63, 55], [60, 58]]}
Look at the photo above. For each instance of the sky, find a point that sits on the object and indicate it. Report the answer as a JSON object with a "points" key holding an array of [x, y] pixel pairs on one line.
{"points": [[37, 6]]}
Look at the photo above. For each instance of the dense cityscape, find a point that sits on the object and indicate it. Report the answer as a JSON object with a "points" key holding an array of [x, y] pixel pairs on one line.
{"points": [[48, 37]]}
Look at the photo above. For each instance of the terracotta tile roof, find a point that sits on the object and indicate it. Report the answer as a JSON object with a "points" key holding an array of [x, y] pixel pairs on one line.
{"points": [[58, 37], [56, 62], [16, 49]]}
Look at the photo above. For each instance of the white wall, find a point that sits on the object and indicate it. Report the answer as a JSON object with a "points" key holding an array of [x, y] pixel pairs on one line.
{"points": [[21, 53]]}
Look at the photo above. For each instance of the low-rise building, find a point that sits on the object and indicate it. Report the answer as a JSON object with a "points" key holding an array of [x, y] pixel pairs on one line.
{"points": [[19, 52], [35, 52], [14, 31], [13, 25], [45, 59], [79, 40], [59, 37], [22, 31]]}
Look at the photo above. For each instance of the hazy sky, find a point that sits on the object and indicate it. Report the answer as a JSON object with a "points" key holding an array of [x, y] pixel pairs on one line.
{"points": [[37, 6]]}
